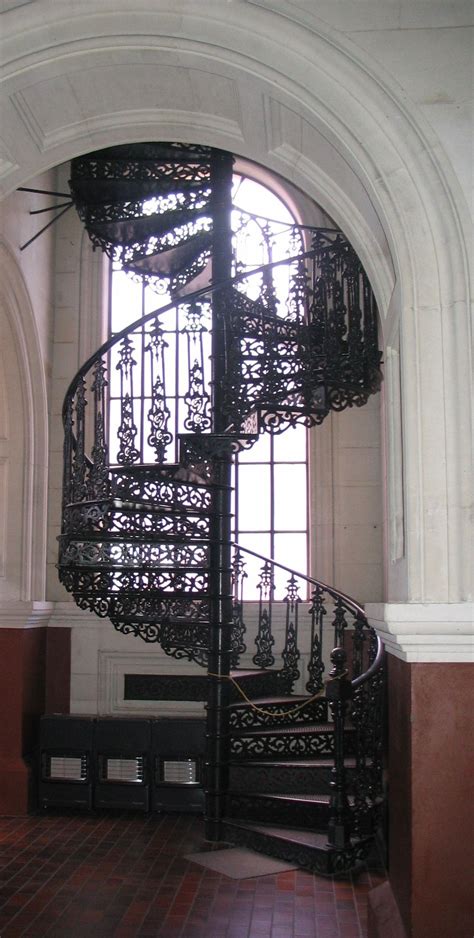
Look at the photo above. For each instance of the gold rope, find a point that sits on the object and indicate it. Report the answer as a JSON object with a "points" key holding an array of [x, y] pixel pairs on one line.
{"points": [[267, 713]]}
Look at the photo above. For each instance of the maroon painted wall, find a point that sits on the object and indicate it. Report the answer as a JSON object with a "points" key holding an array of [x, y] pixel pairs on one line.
{"points": [[35, 667], [58, 670], [442, 787], [22, 672], [430, 797]]}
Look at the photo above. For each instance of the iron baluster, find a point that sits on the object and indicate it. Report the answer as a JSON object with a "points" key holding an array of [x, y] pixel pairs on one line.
{"points": [[79, 465], [316, 666], [239, 574], [339, 692], [197, 399], [159, 413], [127, 431], [361, 810], [358, 645], [299, 289], [99, 471], [291, 655], [264, 640], [339, 622], [67, 455]]}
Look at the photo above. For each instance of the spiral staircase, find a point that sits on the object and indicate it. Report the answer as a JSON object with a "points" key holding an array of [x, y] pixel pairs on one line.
{"points": [[293, 760]]}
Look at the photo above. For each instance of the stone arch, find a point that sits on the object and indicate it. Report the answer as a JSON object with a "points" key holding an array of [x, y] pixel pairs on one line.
{"points": [[324, 116], [26, 439]]}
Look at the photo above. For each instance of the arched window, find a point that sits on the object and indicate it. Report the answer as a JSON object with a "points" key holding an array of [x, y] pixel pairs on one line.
{"points": [[270, 479]]}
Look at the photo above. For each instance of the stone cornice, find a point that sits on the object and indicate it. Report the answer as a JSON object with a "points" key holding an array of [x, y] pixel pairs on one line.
{"points": [[425, 632]]}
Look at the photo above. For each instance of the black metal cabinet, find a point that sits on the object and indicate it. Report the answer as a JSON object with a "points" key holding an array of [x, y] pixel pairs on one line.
{"points": [[178, 763], [122, 764], [112, 762], [66, 761]]}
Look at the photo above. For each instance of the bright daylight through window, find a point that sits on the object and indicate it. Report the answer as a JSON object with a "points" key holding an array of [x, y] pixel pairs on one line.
{"points": [[270, 479]]}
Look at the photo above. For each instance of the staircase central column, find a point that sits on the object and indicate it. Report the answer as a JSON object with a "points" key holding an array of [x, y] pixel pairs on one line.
{"points": [[219, 652]]}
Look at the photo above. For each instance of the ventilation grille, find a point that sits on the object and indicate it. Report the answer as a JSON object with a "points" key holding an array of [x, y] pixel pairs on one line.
{"points": [[131, 771], [67, 768], [179, 772]]}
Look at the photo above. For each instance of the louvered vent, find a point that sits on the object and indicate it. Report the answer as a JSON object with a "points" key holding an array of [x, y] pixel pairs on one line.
{"points": [[179, 772], [130, 771], [67, 768]]}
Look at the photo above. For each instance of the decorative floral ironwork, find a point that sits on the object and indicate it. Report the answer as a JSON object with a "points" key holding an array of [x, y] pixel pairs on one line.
{"points": [[290, 654], [264, 639], [317, 612], [238, 630], [99, 470], [143, 203], [127, 430], [197, 401], [79, 487]]}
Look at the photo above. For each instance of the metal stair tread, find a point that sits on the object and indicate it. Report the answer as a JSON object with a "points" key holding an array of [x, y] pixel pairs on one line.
{"points": [[322, 763], [282, 796], [298, 729], [298, 835], [317, 799], [127, 504], [146, 507], [292, 834]]}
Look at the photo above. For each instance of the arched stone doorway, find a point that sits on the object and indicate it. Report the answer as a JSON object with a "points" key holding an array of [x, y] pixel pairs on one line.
{"points": [[322, 114]]}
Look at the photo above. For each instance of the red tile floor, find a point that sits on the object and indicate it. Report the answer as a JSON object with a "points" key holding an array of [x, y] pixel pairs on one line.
{"points": [[70, 876]]}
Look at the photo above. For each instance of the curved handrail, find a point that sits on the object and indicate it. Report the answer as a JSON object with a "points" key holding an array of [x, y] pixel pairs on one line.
{"points": [[375, 666], [359, 610], [210, 289], [336, 594]]}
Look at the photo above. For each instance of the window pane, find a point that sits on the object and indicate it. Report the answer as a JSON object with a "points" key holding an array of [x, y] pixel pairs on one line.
{"points": [[126, 300], [291, 550], [290, 497], [254, 498], [259, 452], [291, 445]]}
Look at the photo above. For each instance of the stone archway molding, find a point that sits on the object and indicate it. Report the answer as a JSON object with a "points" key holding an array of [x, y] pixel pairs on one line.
{"points": [[301, 99], [16, 305]]}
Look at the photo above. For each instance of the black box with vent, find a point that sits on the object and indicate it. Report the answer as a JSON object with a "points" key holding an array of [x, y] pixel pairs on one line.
{"points": [[178, 764], [122, 764], [65, 774]]}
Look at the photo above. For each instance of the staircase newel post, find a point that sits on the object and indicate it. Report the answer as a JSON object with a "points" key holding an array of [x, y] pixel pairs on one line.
{"points": [[339, 693], [220, 560]]}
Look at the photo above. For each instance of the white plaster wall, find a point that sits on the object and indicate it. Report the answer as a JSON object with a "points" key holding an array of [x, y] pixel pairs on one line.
{"points": [[423, 49], [36, 262], [11, 466], [26, 324], [346, 506]]}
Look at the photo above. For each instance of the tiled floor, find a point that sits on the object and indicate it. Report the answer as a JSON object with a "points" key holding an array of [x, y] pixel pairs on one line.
{"points": [[125, 875]]}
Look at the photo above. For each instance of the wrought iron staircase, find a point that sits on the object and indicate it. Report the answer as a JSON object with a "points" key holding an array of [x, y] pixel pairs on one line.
{"points": [[147, 542]]}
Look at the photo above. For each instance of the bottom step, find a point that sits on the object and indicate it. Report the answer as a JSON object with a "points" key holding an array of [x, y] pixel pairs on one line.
{"points": [[305, 849]]}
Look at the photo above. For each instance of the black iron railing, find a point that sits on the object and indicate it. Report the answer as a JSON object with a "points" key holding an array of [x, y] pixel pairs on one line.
{"points": [[317, 617], [146, 493]]}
